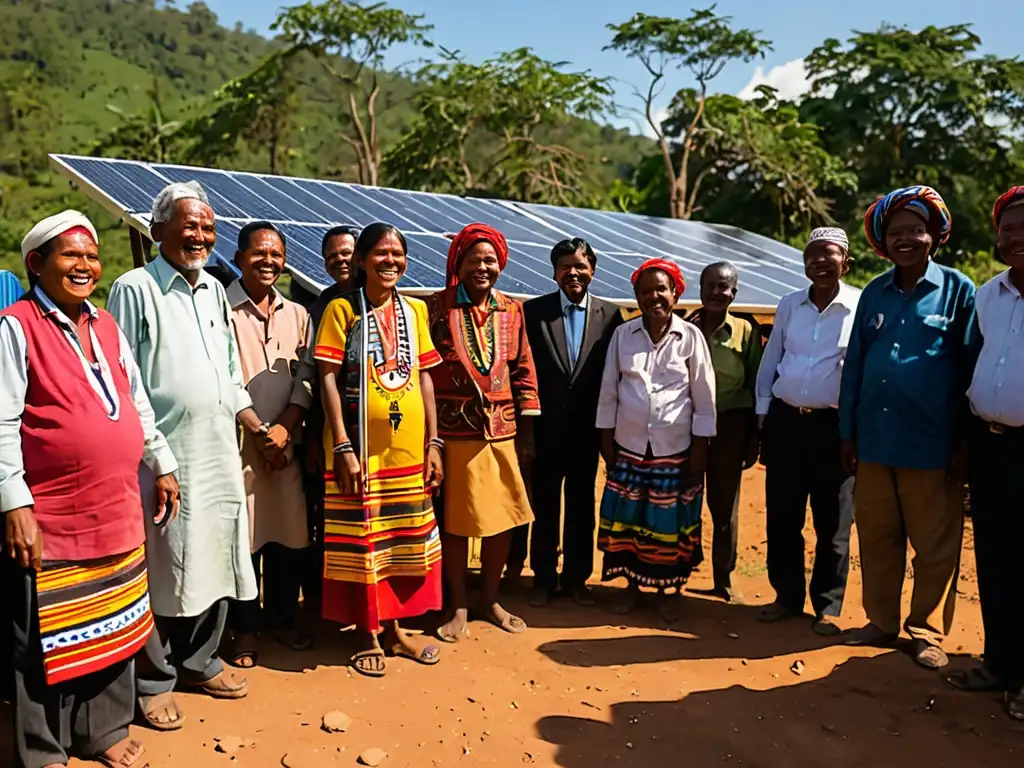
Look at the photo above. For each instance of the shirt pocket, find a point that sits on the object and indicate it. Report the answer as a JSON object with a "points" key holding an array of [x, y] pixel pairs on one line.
{"points": [[935, 331]]}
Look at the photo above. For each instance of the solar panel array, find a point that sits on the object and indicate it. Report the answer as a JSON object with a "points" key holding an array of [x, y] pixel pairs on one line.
{"points": [[305, 209]]}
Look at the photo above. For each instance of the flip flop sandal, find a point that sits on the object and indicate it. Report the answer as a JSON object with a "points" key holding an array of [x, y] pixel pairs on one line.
{"points": [[243, 650], [428, 655], [450, 637], [509, 625], [976, 680], [104, 760], [149, 704], [371, 653]]}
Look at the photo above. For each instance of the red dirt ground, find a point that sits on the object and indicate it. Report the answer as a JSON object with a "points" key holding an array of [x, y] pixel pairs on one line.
{"points": [[581, 689]]}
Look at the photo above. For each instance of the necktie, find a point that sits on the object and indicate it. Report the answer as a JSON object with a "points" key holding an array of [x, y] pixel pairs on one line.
{"points": [[574, 321]]}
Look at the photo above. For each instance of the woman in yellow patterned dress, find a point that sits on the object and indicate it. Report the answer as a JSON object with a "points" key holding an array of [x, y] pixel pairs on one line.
{"points": [[382, 559]]}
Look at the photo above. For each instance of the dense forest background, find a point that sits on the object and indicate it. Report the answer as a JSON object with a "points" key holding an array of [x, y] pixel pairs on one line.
{"points": [[129, 78]]}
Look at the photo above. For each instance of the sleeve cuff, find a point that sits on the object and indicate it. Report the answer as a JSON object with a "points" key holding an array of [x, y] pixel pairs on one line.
{"points": [[530, 412], [243, 401], [762, 406], [161, 461], [15, 495], [605, 420], [703, 426]]}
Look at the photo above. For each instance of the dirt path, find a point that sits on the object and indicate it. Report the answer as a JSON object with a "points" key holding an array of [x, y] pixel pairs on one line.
{"points": [[580, 689]]}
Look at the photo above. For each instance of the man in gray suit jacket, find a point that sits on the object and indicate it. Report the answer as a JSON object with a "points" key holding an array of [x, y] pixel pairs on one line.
{"points": [[569, 332]]}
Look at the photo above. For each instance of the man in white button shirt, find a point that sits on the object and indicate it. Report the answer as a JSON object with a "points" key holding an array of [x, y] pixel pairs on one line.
{"points": [[797, 398], [996, 442]]}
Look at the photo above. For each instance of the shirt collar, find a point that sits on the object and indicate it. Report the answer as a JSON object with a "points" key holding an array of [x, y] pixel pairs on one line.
{"points": [[166, 275], [675, 325], [846, 297], [50, 308], [237, 297], [932, 275], [1006, 284], [566, 303]]}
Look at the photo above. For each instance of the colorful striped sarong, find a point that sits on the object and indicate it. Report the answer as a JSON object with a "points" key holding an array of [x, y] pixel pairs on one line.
{"points": [[382, 550], [92, 615], [650, 520]]}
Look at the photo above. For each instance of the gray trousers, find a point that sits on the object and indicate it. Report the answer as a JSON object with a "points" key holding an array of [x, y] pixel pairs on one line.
{"points": [[83, 717], [182, 648]]}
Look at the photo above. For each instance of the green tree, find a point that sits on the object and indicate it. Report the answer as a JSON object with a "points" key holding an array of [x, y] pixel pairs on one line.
{"points": [[350, 40], [147, 136], [903, 107], [479, 129], [703, 44]]}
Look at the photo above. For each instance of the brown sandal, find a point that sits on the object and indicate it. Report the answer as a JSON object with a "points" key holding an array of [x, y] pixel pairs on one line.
{"points": [[220, 687], [148, 706]]}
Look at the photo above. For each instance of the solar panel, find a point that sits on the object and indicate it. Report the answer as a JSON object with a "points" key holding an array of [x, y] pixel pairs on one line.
{"points": [[305, 209]]}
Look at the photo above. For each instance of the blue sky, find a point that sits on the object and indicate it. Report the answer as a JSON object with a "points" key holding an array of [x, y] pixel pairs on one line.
{"points": [[574, 30]]}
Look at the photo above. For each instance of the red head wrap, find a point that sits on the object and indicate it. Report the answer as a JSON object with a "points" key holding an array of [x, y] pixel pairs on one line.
{"points": [[668, 267], [466, 239], [1012, 196]]}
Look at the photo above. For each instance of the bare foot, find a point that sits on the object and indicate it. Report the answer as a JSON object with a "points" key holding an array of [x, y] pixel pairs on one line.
{"points": [[628, 601], [502, 619], [457, 628], [125, 753]]}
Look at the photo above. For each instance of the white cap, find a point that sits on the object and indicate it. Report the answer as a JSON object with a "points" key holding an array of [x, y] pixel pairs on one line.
{"points": [[54, 226]]}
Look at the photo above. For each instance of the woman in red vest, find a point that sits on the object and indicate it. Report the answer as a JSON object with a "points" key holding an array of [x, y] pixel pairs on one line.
{"points": [[74, 425]]}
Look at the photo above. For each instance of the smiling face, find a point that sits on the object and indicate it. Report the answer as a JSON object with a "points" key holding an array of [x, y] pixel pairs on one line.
{"points": [[188, 238], [338, 258], [824, 264], [907, 239], [718, 286], [69, 272], [1010, 238], [573, 274], [385, 264], [263, 259], [480, 268], [655, 294]]}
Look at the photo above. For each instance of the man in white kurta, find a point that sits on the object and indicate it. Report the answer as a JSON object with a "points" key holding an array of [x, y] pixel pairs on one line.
{"points": [[177, 320]]}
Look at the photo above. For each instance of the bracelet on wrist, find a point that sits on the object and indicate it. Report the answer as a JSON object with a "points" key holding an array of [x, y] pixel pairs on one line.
{"points": [[345, 447], [435, 442]]}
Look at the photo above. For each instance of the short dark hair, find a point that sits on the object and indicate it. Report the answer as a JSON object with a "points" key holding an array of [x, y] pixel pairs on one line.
{"points": [[343, 229], [565, 248], [727, 268], [367, 241], [245, 233]]}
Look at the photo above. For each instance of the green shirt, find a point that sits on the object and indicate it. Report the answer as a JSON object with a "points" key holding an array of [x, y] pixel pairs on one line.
{"points": [[736, 354]]}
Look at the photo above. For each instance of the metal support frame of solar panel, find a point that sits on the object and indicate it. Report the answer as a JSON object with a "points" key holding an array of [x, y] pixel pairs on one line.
{"points": [[305, 208]]}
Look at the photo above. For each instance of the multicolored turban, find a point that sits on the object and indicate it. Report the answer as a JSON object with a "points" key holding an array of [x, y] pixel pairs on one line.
{"points": [[1010, 198], [668, 267], [921, 199], [466, 239]]}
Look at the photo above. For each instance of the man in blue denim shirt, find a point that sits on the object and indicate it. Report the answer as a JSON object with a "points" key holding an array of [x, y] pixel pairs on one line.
{"points": [[902, 405]]}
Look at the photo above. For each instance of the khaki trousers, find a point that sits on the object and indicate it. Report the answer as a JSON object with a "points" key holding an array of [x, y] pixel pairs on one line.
{"points": [[894, 505]]}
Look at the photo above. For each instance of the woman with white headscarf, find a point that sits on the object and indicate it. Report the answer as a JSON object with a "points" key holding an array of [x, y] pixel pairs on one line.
{"points": [[75, 423]]}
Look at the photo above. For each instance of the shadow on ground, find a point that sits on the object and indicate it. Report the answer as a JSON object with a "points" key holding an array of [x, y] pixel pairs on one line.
{"points": [[875, 712]]}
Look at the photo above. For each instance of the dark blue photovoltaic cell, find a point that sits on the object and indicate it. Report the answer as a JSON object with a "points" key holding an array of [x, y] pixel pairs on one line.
{"points": [[306, 208]]}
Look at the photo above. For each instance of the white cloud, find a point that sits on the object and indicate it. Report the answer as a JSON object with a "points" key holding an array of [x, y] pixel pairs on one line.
{"points": [[790, 79], [660, 115]]}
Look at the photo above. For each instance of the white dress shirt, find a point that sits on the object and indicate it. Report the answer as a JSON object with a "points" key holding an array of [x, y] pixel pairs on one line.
{"points": [[803, 359], [657, 395], [14, 491], [997, 389]]}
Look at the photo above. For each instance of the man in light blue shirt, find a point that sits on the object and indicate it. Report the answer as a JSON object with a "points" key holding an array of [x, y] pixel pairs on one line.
{"points": [[902, 406]]}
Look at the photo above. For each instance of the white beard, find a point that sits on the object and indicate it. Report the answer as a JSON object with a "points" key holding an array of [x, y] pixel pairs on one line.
{"points": [[193, 266]]}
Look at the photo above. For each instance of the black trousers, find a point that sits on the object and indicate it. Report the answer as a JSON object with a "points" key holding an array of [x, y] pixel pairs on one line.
{"points": [[997, 502], [802, 458], [181, 647], [313, 567], [726, 452], [282, 571], [82, 717], [572, 461]]}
